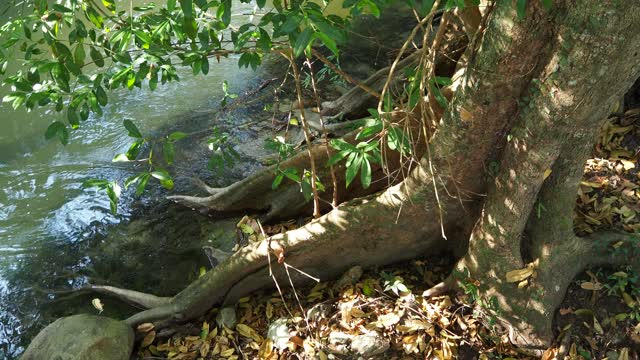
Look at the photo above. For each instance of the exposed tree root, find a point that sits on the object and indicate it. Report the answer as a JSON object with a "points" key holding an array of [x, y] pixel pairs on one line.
{"points": [[144, 300], [255, 193]]}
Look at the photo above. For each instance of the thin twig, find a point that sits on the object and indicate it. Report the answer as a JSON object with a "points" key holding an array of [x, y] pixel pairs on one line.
{"points": [[325, 137], [426, 80], [271, 275], [307, 135], [427, 19]]}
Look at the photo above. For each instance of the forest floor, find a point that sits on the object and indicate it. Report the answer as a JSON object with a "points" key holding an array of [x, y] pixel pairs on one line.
{"points": [[381, 314]]}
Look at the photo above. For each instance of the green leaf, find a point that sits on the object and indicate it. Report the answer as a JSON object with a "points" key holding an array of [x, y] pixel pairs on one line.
{"points": [[290, 25], [161, 175], [336, 158], [276, 182], [167, 184], [101, 95], [132, 180], [153, 81], [521, 8], [113, 191], [444, 81], [425, 7], [57, 129], [134, 150], [171, 5], [109, 4], [291, 174], [352, 169], [340, 144], [120, 158], [328, 42], [440, 98], [168, 151], [61, 8], [226, 13], [205, 65], [187, 8], [96, 57], [365, 174], [3, 66], [131, 80], [396, 140], [246, 229], [143, 37], [302, 41], [99, 183], [63, 135], [73, 118], [143, 183], [131, 127], [307, 190], [177, 135], [79, 55], [61, 50], [94, 17], [371, 129]]}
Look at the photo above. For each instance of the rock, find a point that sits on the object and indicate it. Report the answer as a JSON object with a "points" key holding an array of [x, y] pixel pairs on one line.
{"points": [[350, 277], [215, 256], [319, 311], [227, 317], [369, 345], [338, 337], [82, 337], [338, 342], [278, 332]]}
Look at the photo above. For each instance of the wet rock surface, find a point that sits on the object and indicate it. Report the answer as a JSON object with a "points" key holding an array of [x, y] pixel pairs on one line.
{"points": [[82, 337]]}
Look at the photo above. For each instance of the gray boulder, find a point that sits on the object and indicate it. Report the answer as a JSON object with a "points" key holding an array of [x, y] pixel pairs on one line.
{"points": [[82, 337], [369, 345]]}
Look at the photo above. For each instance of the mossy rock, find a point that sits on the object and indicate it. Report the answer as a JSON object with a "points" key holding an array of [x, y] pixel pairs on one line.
{"points": [[82, 337]]}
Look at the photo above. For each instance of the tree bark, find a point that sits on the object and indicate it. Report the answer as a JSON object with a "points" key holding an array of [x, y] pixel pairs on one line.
{"points": [[556, 131]]}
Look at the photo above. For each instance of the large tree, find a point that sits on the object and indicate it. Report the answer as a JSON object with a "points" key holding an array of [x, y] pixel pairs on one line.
{"points": [[512, 129]]}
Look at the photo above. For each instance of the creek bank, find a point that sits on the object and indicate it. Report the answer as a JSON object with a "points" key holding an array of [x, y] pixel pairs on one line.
{"points": [[159, 249]]}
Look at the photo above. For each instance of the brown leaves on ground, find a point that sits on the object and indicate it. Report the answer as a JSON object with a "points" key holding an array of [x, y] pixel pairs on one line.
{"points": [[609, 194], [407, 326], [600, 317]]}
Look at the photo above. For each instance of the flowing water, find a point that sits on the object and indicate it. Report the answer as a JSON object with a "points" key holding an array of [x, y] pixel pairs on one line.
{"points": [[53, 233]]}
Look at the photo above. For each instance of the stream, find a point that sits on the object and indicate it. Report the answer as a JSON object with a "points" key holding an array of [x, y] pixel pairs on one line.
{"points": [[56, 236]]}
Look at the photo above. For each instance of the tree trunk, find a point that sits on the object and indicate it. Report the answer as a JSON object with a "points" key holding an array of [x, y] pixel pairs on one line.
{"points": [[575, 91], [573, 69]]}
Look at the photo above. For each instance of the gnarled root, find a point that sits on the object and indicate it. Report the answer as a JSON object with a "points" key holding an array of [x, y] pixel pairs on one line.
{"points": [[314, 249], [144, 300], [255, 193]]}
